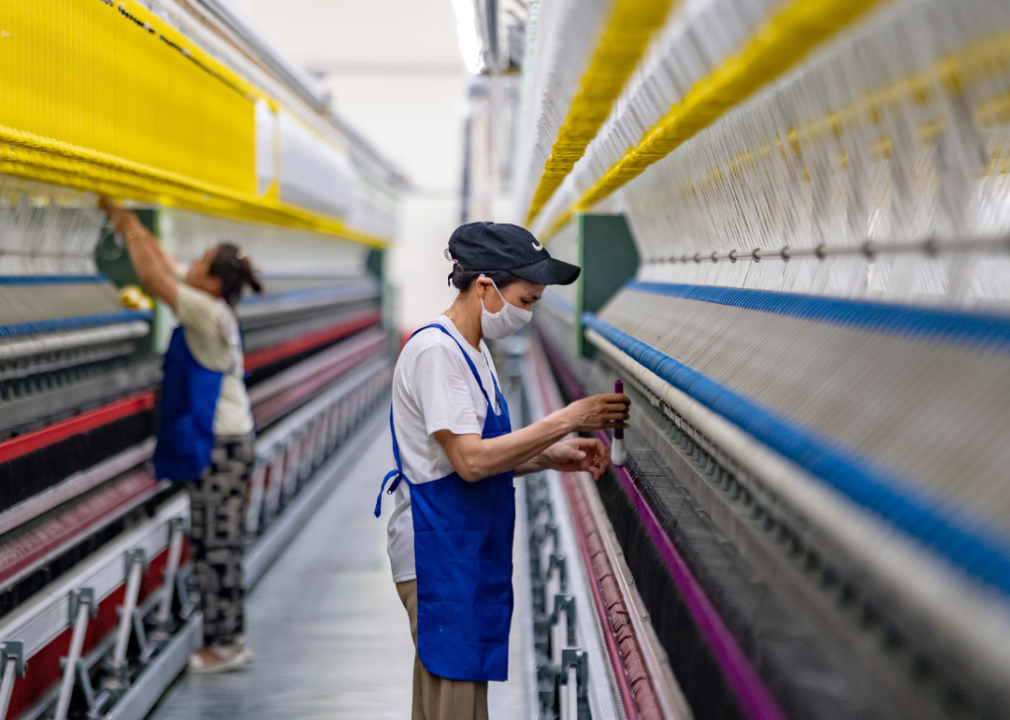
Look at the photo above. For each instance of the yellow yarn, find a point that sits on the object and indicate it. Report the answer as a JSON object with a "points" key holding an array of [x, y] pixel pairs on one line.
{"points": [[622, 44], [778, 44], [134, 298], [107, 97]]}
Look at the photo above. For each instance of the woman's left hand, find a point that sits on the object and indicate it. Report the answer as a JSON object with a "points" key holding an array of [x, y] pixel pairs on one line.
{"points": [[578, 455]]}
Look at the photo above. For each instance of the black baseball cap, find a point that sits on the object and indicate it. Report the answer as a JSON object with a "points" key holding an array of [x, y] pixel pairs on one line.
{"points": [[488, 246]]}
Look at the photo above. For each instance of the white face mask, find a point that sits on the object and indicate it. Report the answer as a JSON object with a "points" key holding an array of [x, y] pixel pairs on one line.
{"points": [[499, 325]]}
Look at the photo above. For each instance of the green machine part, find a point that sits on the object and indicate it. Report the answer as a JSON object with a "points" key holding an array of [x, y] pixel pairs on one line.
{"points": [[376, 265], [609, 259], [113, 262], [111, 257]]}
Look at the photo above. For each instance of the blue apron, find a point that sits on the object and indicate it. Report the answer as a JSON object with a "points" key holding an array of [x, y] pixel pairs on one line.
{"points": [[188, 401], [463, 535]]}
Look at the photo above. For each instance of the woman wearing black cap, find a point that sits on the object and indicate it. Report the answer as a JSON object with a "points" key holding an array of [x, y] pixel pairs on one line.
{"points": [[450, 536]]}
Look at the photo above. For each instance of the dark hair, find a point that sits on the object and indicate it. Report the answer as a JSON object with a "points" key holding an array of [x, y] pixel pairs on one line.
{"points": [[233, 269], [464, 279]]}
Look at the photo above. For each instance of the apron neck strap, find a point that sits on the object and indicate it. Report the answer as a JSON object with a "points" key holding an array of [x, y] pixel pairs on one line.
{"points": [[473, 368]]}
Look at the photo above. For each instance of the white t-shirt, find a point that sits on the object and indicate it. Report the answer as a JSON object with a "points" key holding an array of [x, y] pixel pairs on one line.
{"points": [[212, 335], [433, 389]]}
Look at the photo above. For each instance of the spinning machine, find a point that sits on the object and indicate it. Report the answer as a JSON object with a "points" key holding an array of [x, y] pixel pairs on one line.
{"points": [[184, 110], [793, 220]]}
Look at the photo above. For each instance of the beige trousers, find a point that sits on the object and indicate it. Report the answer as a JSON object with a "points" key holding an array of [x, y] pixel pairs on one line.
{"points": [[437, 698]]}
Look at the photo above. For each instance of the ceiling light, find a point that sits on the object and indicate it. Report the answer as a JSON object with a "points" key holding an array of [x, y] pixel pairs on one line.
{"points": [[470, 43]]}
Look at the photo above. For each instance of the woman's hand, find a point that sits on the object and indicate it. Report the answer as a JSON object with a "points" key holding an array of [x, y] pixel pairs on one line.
{"points": [[526, 450], [125, 221], [578, 455], [598, 412], [153, 267]]}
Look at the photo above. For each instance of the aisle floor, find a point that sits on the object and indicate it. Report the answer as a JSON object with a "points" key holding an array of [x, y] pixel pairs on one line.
{"points": [[330, 635]]}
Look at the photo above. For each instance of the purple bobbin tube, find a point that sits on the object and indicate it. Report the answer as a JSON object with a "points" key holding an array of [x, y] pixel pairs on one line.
{"points": [[618, 455], [619, 390]]}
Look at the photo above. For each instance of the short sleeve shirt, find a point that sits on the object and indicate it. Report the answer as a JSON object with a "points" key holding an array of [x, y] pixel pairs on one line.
{"points": [[212, 334], [433, 389]]}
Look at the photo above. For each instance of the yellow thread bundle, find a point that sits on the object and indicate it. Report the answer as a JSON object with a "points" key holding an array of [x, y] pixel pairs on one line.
{"points": [[627, 34], [134, 298], [111, 99], [781, 42]]}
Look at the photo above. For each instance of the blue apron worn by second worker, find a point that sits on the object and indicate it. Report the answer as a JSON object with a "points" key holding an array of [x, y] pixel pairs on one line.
{"points": [[463, 534], [189, 399]]}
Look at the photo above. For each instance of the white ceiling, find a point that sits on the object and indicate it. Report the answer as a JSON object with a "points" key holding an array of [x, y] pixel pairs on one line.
{"points": [[359, 31], [394, 68]]}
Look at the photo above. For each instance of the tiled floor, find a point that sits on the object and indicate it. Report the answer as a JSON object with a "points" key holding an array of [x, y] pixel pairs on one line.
{"points": [[330, 636]]}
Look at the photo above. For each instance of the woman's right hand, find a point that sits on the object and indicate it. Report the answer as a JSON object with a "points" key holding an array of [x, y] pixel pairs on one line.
{"points": [[599, 412]]}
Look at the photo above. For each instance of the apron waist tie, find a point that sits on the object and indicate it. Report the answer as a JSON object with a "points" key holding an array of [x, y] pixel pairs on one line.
{"points": [[392, 488]]}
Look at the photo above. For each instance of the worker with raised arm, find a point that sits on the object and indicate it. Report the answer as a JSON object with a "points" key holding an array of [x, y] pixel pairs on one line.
{"points": [[450, 536], [205, 431]]}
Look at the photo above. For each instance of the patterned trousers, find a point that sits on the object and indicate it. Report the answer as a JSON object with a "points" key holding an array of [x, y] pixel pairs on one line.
{"points": [[217, 503]]}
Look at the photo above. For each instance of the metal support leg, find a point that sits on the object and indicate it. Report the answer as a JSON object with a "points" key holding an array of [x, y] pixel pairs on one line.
{"points": [[345, 417], [352, 412], [324, 437], [294, 463], [553, 586], [551, 529], [320, 443], [84, 681], [310, 459], [187, 606], [558, 562], [135, 562], [253, 512], [570, 697], [575, 677], [562, 626], [308, 452], [547, 686], [558, 620], [344, 424], [538, 574], [541, 512], [82, 606], [559, 633], [276, 485], [176, 534], [12, 658], [333, 428], [317, 442], [321, 439], [304, 456], [7, 685]]}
